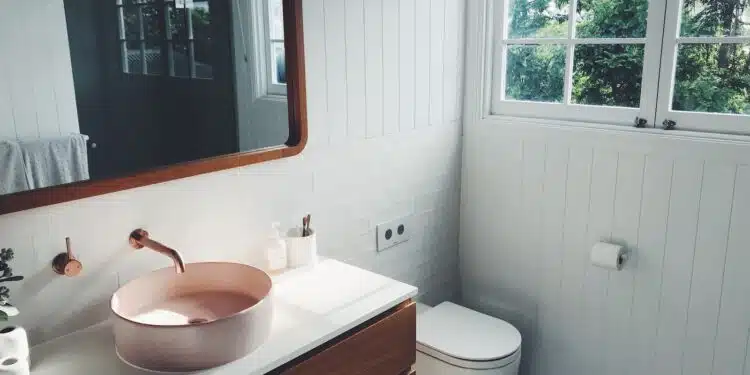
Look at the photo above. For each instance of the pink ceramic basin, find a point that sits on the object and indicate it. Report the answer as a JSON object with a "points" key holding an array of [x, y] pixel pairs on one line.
{"points": [[212, 314]]}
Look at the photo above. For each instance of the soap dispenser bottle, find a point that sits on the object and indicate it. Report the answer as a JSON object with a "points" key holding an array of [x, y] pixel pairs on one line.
{"points": [[276, 257]]}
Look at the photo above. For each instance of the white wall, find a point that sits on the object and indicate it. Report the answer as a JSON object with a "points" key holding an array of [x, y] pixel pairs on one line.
{"points": [[535, 199], [401, 156], [37, 97]]}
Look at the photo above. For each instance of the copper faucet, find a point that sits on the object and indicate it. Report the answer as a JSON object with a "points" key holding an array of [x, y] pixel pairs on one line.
{"points": [[139, 239]]}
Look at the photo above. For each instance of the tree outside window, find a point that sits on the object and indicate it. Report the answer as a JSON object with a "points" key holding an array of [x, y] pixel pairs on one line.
{"points": [[710, 77]]}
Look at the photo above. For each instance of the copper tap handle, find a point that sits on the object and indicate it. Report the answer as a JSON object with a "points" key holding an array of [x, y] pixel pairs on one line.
{"points": [[66, 263], [136, 237], [68, 248]]}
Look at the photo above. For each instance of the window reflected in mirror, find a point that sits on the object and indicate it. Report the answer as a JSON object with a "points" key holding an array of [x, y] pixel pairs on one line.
{"points": [[166, 37]]}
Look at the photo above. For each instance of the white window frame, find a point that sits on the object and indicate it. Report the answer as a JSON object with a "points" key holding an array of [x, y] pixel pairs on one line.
{"points": [[686, 120], [568, 110], [275, 88], [263, 53], [485, 70]]}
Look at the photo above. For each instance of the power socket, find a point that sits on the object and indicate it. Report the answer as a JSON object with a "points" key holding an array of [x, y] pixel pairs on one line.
{"points": [[394, 233]]}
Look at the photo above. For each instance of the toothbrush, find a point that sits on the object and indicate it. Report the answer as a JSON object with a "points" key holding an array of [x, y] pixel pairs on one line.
{"points": [[306, 225]]}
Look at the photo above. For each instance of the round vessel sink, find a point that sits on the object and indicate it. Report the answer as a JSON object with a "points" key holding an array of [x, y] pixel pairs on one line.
{"points": [[212, 314]]}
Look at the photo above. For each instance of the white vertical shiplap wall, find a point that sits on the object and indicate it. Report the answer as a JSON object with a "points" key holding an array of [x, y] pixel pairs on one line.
{"points": [[537, 197], [370, 159], [37, 97]]}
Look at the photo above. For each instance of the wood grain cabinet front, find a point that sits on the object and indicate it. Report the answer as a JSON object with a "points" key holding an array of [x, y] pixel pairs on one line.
{"points": [[384, 345]]}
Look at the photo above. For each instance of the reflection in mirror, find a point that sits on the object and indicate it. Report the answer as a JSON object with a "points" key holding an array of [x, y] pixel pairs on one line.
{"points": [[136, 85]]}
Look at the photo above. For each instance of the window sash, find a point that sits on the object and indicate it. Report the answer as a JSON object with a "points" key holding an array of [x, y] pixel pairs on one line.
{"points": [[567, 110], [660, 58], [167, 41], [697, 121]]}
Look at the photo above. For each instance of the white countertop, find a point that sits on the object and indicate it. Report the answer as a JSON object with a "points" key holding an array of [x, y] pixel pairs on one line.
{"points": [[312, 306]]}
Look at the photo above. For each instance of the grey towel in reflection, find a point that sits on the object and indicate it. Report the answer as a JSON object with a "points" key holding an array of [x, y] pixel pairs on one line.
{"points": [[55, 161], [12, 173]]}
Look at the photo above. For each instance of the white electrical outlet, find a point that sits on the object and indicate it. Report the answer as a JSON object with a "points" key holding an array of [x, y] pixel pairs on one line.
{"points": [[394, 233]]}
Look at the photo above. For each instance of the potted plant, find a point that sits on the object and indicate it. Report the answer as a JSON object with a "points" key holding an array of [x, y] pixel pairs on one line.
{"points": [[14, 343], [6, 309]]}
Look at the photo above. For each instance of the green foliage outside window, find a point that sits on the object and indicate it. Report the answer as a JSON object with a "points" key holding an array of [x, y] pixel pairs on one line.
{"points": [[709, 77]]}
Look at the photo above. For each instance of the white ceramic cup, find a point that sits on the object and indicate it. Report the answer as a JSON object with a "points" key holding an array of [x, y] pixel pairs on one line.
{"points": [[301, 251]]}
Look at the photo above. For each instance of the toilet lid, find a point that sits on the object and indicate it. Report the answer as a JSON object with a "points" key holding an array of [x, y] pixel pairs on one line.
{"points": [[465, 334]]}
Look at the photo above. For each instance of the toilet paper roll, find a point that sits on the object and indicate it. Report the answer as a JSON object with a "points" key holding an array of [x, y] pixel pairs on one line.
{"points": [[14, 366], [609, 256]]}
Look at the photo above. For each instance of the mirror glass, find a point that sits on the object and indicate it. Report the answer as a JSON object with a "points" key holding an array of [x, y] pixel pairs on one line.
{"points": [[98, 89]]}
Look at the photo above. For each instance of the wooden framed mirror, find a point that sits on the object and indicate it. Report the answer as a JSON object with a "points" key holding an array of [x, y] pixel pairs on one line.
{"points": [[139, 92]]}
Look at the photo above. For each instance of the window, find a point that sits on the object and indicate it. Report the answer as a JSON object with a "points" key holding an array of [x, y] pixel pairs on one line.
{"points": [[705, 79], [165, 37], [610, 61], [275, 57], [266, 47]]}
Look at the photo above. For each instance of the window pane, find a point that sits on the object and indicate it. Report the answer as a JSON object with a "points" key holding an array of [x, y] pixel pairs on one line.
{"points": [[538, 19], [713, 78], [276, 19], [134, 58], [178, 22], [144, 18], [151, 23], [201, 19], [612, 19], [278, 63], [154, 61], [203, 58], [608, 75], [535, 72], [202, 32], [181, 60], [132, 24], [152, 56], [715, 18], [180, 26]]}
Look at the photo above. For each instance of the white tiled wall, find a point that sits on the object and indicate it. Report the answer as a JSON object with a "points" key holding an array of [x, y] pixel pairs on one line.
{"points": [[365, 163], [536, 198]]}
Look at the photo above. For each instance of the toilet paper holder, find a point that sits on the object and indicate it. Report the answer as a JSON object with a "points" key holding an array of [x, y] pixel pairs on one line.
{"points": [[622, 259]]}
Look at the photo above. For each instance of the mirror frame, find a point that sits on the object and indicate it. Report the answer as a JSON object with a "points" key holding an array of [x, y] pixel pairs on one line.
{"points": [[297, 103]]}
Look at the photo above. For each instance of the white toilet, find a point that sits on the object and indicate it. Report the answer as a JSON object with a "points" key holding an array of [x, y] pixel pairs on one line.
{"points": [[454, 340]]}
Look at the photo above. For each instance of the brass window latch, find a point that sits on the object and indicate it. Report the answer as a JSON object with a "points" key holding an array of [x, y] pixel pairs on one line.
{"points": [[640, 122]]}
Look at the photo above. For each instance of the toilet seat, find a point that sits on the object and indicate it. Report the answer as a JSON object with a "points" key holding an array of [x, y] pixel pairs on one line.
{"points": [[466, 338], [472, 365]]}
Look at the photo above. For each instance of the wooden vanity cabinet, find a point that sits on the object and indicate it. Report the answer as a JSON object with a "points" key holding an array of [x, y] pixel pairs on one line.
{"points": [[384, 345]]}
